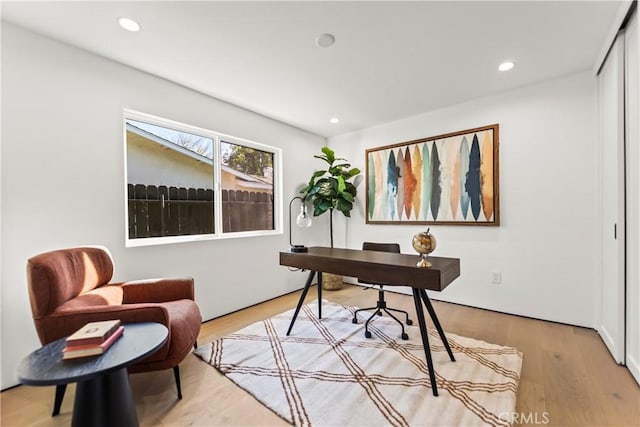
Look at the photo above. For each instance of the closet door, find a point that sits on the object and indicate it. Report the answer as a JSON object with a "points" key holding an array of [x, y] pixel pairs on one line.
{"points": [[611, 324], [632, 123]]}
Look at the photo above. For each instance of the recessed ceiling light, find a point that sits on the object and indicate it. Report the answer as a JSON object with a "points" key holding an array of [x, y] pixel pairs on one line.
{"points": [[506, 66], [334, 120], [325, 40], [129, 24]]}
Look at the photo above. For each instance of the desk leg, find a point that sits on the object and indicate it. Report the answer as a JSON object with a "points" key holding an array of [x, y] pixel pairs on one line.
{"points": [[105, 401], [302, 297], [425, 339], [319, 294], [436, 322]]}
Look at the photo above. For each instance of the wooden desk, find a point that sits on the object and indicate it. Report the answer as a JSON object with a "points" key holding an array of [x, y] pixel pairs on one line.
{"points": [[381, 267]]}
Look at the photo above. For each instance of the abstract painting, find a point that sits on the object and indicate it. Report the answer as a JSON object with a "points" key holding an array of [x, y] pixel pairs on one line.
{"points": [[445, 179]]}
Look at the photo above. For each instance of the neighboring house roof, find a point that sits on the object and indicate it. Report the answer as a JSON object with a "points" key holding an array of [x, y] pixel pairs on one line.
{"points": [[168, 144], [246, 180]]}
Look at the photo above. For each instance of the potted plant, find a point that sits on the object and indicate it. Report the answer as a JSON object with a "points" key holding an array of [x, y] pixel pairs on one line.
{"points": [[330, 190]]}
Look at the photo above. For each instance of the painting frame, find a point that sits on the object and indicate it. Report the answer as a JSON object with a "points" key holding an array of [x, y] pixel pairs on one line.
{"points": [[458, 184]]}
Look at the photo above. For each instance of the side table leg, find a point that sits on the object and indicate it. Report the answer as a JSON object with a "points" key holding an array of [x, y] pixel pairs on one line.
{"points": [[105, 401], [425, 339], [307, 285], [436, 322], [57, 402]]}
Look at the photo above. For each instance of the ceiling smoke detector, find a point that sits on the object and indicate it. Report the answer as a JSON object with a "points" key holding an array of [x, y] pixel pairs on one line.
{"points": [[325, 40]]}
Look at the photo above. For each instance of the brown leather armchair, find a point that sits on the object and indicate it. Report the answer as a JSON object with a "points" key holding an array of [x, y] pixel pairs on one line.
{"points": [[70, 287]]}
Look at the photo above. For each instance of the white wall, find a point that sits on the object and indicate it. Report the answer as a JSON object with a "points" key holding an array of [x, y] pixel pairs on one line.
{"points": [[545, 244], [63, 180]]}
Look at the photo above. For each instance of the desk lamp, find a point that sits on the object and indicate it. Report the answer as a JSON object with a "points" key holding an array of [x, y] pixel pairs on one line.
{"points": [[302, 220]]}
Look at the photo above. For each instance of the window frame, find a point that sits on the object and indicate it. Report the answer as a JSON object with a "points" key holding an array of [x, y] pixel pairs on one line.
{"points": [[217, 138]]}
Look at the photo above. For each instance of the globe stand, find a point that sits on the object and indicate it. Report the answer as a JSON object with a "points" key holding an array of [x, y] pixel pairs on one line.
{"points": [[423, 263]]}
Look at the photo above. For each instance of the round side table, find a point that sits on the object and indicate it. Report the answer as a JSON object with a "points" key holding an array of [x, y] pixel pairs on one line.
{"points": [[103, 393]]}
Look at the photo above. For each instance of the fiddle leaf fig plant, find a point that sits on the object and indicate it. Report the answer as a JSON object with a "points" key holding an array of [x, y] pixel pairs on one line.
{"points": [[330, 189]]}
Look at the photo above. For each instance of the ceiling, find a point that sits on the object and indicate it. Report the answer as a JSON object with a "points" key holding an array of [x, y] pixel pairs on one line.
{"points": [[390, 60]]}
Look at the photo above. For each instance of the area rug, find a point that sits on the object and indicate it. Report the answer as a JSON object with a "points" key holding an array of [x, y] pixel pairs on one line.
{"points": [[326, 373]]}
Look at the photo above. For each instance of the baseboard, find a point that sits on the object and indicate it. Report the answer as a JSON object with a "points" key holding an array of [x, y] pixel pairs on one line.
{"points": [[609, 343], [634, 367], [405, 290]]}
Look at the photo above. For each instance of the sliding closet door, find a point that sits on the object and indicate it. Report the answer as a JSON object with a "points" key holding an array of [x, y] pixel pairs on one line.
{"points": [[632, 124], [611, 135]]}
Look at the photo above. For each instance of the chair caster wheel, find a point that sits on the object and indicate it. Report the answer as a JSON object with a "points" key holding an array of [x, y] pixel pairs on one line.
{"points": [[405, 337], [367, 334], [379, 313], [409, 322], [354, 320]]}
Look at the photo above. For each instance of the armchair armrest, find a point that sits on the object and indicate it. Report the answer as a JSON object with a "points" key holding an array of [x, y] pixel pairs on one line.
{"points": [[63, 323], [157, 290]]}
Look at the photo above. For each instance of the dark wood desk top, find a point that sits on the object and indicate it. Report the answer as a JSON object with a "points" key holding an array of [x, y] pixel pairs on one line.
{"points": [[46, 367], [392, 268]]}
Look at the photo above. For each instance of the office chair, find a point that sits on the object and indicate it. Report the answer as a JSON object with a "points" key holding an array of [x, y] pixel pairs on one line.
{"points": [[381, 304]]}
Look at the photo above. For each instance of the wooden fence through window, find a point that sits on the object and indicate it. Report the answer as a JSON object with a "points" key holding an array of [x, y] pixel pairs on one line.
{"points": [[156, 211]]}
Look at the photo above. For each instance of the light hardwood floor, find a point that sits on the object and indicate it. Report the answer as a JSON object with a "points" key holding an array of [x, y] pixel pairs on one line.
{"points": [[568, 377]]}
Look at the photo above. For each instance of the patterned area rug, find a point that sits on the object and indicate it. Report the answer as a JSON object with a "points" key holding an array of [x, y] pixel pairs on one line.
{"points": [[326, 373]]}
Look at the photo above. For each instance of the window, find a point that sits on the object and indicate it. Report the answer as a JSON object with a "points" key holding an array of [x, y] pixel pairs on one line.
{"points": [[186, 183], [247, 188]]}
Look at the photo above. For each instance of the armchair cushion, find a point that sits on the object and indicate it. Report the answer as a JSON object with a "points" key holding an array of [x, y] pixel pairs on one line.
{"points": [[104, 295]]}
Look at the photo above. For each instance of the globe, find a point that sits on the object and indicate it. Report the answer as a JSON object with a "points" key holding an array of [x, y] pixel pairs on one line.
{"points": [[424, 243]]}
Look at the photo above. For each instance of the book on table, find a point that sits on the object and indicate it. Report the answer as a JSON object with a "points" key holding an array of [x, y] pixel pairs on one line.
{"points": [[93, 332], [85, 350]]}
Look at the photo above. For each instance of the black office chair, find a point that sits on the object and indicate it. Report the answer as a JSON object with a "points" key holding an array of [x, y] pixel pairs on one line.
{"points": [[381, 305]]}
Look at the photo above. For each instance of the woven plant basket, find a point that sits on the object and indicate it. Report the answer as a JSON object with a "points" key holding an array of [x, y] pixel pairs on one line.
{"points": [[331, 282]]}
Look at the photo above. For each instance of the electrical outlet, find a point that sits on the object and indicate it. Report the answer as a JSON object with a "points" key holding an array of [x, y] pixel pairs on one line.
{"points": [[496, 277]]}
